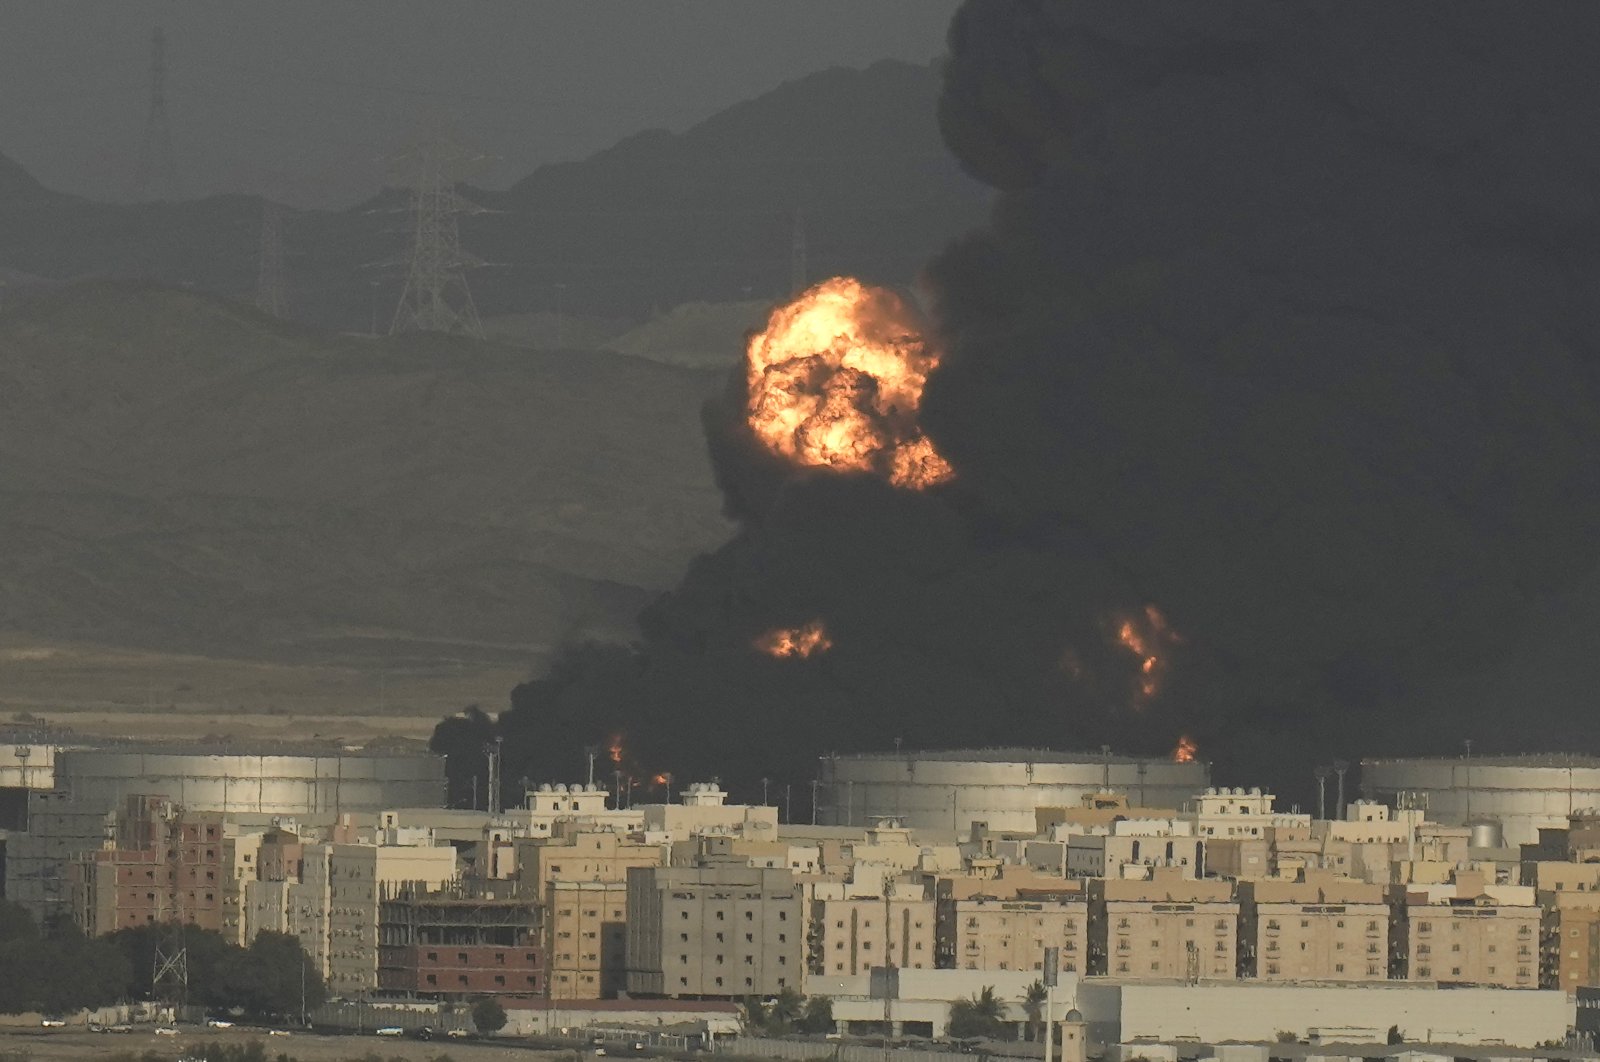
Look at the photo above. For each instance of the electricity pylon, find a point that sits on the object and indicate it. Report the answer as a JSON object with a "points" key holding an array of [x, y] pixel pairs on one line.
{"points": [[435, 297]]}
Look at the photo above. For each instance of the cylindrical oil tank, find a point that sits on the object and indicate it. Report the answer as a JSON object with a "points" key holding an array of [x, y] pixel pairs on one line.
{"points": [[1521, 794], [951, 790], [276, 782]]}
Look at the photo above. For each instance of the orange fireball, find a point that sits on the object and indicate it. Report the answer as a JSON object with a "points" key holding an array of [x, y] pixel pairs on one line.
{"points": [[797, 642], [1186, 750], [1148, 637], [835, 381]]}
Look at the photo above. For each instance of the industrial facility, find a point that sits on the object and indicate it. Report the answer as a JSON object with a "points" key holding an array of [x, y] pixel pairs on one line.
{"points": [[999, 788], [1509, 797], [288, 781]]}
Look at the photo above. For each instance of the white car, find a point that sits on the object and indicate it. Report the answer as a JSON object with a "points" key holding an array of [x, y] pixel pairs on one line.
{"points": [[166, 1030], [218, 1023], [458, 1034], [277, 1032], [389, 1030], [52, 1023]]}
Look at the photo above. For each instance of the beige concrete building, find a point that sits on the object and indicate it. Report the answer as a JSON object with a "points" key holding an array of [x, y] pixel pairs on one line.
{"points": [[983, 932], [1239, 813], [587, 939], [719, 930], [574, 853], [850, 934], [1320, 928], [1470, 933], [334, 911], [704, 808], [1168, 927], [1570, 940]]}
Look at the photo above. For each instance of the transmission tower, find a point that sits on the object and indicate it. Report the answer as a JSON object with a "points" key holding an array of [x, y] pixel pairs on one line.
{"points": [[797, 255], [169, 974], [271, 293], [435, 297], [158, 173]]}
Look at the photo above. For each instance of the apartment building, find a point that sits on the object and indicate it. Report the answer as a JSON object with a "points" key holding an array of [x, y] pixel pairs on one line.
{"points": [[337, 904], [1318, 928], [1569, 940], [873, 919], [575, 853], [1167, 927], [457, 943], [164, 864], [720, 930], [1012, 932], [1468, 932], [587, 938], [704, 808]]}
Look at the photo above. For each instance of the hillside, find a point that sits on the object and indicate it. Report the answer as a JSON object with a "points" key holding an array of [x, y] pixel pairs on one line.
{"points": [[182, 475], [656, 221]]}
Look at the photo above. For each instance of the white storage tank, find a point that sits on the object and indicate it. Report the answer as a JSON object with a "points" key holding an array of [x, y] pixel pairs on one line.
{"points": [[1001, 788], [1519, 794]]}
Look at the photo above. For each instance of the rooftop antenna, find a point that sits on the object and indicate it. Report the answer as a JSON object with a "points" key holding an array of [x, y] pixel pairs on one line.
{"points": [[435, 297], [158, 173], [270, 290]]}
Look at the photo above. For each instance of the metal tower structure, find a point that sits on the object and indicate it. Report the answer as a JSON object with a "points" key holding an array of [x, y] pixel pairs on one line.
{"points": [[158, 172], [169, 975], [271, 290], [797, 256], [435, 297]]}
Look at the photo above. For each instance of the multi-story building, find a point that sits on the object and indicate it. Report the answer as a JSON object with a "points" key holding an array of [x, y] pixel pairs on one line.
{"points": [[717, 930], [457, 942], [573, 853], [870, 920], [334, 910], [1239, 813], [1011, 931], [1167, 927], [1569, 940], [164, 865], [587, 938], [1467, 932], [1319, 928], [36, 873], [704, 808]]}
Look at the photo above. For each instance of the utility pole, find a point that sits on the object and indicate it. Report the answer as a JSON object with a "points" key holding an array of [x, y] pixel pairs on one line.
{"points": [[1322, 792], [270, 294], [815, 782], [591, 751], [158, 173], [1339, 767], [435, 297]]}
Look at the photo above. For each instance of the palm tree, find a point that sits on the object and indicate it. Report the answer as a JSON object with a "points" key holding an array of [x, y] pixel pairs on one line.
{"points": [[1033, 1004], [982, 1015]]}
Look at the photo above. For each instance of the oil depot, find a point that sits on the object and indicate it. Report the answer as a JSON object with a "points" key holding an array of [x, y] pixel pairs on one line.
{"points": [[286, 781], [951, 790], [1506, 796]]}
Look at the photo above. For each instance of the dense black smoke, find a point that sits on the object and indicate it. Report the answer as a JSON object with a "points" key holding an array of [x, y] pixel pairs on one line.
{"points": [[1286, 323]]}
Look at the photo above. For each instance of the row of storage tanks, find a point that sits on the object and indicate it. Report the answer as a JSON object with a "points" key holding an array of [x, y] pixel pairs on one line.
{"points": [[1506, 799]]}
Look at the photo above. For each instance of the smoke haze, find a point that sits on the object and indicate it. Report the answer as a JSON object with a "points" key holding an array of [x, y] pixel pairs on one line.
{"points": [[1276, 366]]}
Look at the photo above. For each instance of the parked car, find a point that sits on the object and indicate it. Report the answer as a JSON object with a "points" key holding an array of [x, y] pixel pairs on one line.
{"points": [[218, 1023], [389, 1030], [166, 1030], [52, 1023]]}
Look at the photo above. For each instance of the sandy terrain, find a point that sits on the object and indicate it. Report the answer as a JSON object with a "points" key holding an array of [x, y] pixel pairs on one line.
{"points": [[40, 1045], [125, 693]]}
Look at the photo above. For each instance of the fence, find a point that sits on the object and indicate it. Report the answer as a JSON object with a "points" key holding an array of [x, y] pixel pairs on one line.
{"points": [[362, 1016], [808, 1050]]}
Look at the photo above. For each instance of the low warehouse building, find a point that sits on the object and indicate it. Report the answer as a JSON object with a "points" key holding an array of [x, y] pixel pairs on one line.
{"points": [[1250, 1012]]}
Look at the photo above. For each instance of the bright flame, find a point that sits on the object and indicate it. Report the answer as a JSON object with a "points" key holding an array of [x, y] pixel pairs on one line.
{"points": [[1186, 750], [1148, 638], [799, 642], [836, 379], [614, 749], [662, 779]]}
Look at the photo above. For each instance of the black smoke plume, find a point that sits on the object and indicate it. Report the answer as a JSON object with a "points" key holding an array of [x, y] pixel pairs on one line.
{"points": [[1286, 324]]}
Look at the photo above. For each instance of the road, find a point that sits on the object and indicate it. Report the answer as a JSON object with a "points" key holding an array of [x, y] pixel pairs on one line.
{"points": [[71, 1045]]}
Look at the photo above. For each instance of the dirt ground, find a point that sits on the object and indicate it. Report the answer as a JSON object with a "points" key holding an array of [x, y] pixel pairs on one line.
{"points": [[68, 1045], [160, 696]]}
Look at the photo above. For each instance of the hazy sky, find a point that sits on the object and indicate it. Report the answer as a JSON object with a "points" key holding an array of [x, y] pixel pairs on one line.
{"points": [[300, 98]]}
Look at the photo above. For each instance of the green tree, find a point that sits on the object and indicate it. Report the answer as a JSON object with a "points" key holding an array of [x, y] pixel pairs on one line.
{"points": [[16, 923], [982, 1015], [1033, 1004], [784, 1010], [266, 980], [818, 1015], [62, 972], [488, 1015]]}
